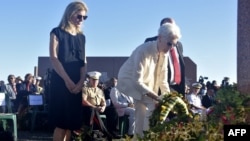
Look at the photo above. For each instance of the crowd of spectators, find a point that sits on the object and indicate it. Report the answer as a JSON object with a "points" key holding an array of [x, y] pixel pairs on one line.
{"points": [[200, 95]]}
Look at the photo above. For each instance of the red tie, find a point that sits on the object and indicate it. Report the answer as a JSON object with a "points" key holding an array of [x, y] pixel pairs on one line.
{"points": [[177, 70]]}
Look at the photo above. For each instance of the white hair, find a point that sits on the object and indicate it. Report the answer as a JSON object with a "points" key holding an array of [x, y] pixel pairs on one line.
{"points": [[169, 30]]}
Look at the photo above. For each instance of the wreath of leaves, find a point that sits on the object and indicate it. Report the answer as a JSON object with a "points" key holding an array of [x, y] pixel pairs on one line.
{"points": [[170, 102]]}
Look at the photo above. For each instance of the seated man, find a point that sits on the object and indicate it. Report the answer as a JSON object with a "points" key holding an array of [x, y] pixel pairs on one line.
{"points": [[124, 106], [110, 110], [93, 101], [11, 92], [194, 99], [92, 98], [209, 99]]}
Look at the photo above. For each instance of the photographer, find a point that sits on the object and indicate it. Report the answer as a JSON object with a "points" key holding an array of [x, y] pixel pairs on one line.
{"points": [[225, 82], [203, 89]]}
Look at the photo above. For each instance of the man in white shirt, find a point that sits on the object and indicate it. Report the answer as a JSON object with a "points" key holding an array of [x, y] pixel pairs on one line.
{"points": [[124, 105], [11, 91], [194, 99]]}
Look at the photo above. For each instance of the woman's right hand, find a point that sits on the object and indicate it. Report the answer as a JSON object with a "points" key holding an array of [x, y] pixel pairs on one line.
{"points": [[153, 96]]}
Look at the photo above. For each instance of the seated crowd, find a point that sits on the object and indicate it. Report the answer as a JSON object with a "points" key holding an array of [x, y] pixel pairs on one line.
{"points": [[103, 99], [95, 97], [17, 90]]}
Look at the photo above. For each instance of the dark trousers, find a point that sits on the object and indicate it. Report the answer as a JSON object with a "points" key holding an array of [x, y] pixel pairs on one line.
{"points": [[112, 118]]}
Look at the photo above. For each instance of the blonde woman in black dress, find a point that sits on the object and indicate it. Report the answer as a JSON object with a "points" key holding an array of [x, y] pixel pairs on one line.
{"points": [[67, 55]]}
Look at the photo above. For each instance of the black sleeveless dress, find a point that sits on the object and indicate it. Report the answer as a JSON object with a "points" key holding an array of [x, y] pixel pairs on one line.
{"points": [[65, 108]]}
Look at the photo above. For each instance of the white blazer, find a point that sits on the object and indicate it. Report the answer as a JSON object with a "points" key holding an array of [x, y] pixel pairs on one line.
{"points": [[136, 76]]}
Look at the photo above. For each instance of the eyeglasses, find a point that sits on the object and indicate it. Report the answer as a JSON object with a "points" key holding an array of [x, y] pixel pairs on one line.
{"points": [[81, 17], [171, 44]]}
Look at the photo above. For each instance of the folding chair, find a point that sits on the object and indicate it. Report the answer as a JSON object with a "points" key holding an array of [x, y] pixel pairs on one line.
{"points": [[8, 116], [35, 102], [123, 124]]}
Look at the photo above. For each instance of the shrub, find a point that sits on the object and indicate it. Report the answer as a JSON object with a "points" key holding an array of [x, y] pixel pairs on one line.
{"points": [[231, 108]]}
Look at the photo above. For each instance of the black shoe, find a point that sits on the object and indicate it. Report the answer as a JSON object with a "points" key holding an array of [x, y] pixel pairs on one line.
{"points": [[116, 135], [130, 136]]}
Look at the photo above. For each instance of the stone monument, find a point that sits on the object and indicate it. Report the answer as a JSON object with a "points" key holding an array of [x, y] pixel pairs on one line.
{"points": [[243, 46]]}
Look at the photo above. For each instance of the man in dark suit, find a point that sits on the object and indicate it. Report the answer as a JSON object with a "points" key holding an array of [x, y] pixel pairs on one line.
{"points": [[208, 100], [180, 86], [110, 112]]}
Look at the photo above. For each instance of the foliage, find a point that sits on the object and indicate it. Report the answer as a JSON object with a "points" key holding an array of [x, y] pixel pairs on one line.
{"points": [[229, 109], [83, 134]]}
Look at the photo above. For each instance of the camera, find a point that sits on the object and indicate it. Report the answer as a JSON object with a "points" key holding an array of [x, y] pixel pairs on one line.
{"points": [[201, 79]]}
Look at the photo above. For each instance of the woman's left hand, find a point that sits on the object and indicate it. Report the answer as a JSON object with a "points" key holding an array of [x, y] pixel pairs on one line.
{"points": [[77, 89]]}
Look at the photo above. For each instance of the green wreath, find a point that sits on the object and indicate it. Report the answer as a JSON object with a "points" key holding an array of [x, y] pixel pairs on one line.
{"points": [[170, 102]]}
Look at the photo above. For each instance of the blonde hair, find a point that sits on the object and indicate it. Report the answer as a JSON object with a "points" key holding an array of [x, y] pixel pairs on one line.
{"points": [[70, 10]]}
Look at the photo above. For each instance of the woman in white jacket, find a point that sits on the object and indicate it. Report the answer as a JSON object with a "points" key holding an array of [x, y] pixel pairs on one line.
{"points": [[145, 71]]}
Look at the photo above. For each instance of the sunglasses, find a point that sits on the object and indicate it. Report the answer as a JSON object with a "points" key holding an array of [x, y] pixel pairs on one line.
{"points": [[80, 17], [171, 44]]}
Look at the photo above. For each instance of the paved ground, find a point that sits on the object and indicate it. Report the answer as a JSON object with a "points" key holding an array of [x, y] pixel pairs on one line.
{"points": [[34, 136], [40, 136]]}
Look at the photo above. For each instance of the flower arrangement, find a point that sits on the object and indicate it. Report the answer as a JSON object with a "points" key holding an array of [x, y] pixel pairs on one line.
{"points": [[170, 102]]}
